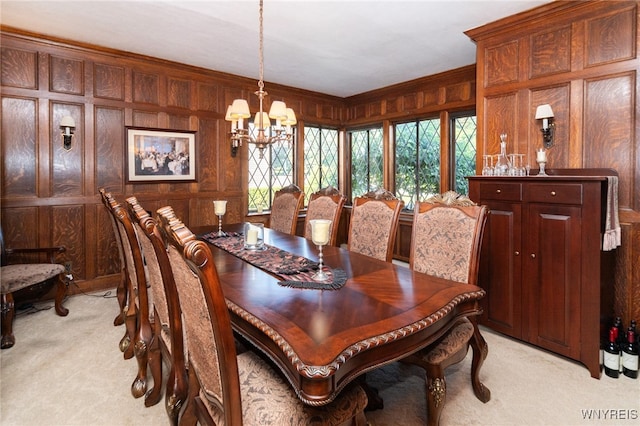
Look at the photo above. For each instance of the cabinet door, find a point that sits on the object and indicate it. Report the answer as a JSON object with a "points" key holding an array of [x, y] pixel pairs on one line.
{"points": [[500, 268], [552, 277]]}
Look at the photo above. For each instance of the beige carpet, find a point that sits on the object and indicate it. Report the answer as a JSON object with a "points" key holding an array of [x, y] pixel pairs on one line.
{"points": [[69, 371]]}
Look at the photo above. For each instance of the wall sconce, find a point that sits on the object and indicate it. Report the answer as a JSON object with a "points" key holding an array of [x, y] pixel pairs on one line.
{"points": [[67, 125], [545, 113]]}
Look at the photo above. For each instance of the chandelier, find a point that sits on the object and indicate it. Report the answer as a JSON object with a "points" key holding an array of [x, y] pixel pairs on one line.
{"points": [[267, 134]]}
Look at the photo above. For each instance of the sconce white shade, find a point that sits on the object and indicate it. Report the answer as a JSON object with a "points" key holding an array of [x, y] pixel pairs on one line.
{"points": [[278, 110], [67, 121], [544, 111], [239, 109]]}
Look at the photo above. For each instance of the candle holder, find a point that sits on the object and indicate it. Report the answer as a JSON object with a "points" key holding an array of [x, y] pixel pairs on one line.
{"points": [[541, 159], [320, 237], [542, 165], [254, 236], [220, 208]]}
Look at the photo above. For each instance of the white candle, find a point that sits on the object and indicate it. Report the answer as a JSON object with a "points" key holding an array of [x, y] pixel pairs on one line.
{"points": [[241, 124], [259, 209], [541, 156], [220, 207], [320, 231], [252, 236]]}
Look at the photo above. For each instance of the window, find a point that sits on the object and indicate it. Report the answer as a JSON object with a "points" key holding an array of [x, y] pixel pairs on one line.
{"points": [[464, 151], [366, 160], [268, 174], [320, 159], [417, 160]]}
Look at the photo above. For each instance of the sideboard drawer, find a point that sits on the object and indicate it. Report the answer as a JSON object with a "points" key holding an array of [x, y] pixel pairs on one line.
{"points": [[555, 193], [500, 191]]}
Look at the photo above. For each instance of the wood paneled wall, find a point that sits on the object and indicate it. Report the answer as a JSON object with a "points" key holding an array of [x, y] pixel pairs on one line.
{"points": [[581, 58], [50, 195]]}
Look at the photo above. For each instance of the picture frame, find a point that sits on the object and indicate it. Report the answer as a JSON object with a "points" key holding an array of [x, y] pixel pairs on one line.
{"points": [[160, 155]]}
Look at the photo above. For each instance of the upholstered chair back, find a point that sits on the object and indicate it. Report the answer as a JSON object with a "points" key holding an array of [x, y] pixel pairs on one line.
{"points": [[446, 239], [212, 354], [287, 203], [325, 204], [374, 223]]}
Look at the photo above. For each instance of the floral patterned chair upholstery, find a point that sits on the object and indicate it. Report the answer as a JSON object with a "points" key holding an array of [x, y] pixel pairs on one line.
{"points": [[325, 204], [226, 388], [374, 223], [287, 203], [446, 242]]}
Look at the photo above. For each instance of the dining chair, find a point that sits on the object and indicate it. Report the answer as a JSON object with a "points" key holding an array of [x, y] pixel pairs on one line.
{"points": [[138, 326], [287, 203], [446, 242], [326, 204], [121, 288], [374, 223], [29, 279], [167, 340], [226, 387]]}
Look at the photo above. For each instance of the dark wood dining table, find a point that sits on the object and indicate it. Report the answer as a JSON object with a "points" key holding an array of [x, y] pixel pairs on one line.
{"points": [[324, 339]]}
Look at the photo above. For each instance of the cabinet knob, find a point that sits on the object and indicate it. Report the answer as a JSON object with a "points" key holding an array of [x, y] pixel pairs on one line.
{"points": [[553, 193], [533, 255], [517, 253], [498, 191]]}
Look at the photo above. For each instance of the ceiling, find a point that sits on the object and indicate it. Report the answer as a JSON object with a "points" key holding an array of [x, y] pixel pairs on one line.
{"points": [[339, 48]]}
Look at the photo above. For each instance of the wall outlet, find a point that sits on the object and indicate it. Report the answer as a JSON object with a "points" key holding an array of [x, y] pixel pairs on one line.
{"points": [[68, 267]]}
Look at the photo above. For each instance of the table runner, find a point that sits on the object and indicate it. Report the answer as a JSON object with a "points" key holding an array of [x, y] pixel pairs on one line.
{"points": [[295, 271]]}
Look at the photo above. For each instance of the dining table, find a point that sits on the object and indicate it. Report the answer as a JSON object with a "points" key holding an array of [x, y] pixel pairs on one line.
{"points": [[324, 336]]}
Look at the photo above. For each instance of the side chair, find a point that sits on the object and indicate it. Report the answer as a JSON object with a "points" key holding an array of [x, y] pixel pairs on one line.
{"points": [[121, 289], [138, 326], [28, 279], [326, 204], [286, 206], [224, 387], [446, 242], [374, 223]]}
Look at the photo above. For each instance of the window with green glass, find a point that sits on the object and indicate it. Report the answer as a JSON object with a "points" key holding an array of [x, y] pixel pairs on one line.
{"points": [[464, 151], [320, 159], [270, 173], [366, 160], [417, 159]]}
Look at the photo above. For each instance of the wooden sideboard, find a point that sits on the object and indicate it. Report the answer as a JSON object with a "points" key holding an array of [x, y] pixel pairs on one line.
{"points": [[541, 262]]}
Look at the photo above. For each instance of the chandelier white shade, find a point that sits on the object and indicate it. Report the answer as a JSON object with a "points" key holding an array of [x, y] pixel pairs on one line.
{"points": [[266, 133]]}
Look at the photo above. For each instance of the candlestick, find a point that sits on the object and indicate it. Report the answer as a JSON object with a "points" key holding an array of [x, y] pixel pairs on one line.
{"points": [[320, 237], [220, 208]]}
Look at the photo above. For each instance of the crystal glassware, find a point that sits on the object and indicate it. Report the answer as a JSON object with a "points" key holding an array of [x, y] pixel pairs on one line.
{"points": [[320, 237], [503, 165], [220, 208]]}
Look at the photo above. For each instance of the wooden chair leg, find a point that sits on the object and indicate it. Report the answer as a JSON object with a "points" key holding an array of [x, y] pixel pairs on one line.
{"points": [[141, 350], [436, 394], [190, 414], [130, 316], [154, 394], [61, 293], [480, 352], [8, 313]]}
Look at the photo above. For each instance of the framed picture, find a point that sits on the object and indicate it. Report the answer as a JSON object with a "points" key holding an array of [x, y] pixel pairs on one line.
{"points": [[157, 155]]}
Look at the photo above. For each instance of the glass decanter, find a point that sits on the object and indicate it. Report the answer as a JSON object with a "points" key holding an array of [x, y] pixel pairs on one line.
{"points": [[503, 165]]}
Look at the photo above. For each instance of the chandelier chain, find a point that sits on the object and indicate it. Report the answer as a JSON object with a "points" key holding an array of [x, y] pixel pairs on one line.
{"points": [[261, 81]]}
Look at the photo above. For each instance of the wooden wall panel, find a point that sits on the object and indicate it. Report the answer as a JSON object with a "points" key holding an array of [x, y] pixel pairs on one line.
{"points": [[550, 52], [18, 225], [500, 118], [68, 229], [208, 97], [499, 66], [19, 147], [67, 173], [179, 93], [110, 149], [609, 115], [611, 38], [146, 88], [106, 245], [19, 68], [66, 75], [208, 161], [108, 81]]}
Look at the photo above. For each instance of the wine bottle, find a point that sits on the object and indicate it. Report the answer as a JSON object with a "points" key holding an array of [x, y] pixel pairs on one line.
{"points": [[630, 356], [612, 355], [620, 336]]}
